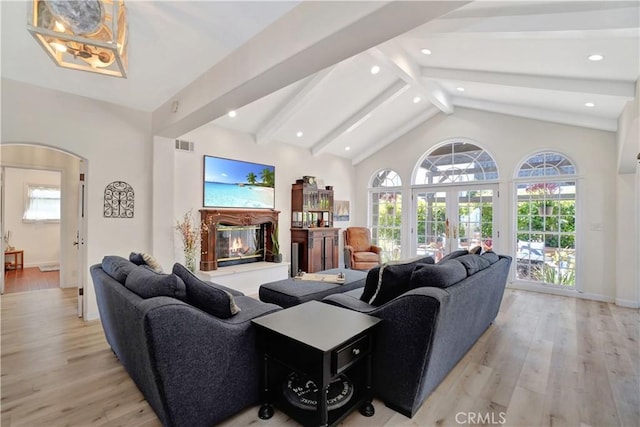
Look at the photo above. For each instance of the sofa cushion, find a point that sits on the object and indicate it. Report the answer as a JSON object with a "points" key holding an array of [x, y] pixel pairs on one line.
{"points": [[215, 301], [473, 263], [117, 267], [148, 284], [440, 275], [366, 257], [389, 280], [454, 254], [490, 256]]}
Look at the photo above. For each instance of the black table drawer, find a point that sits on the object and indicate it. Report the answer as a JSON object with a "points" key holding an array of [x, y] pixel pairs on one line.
{"points": [[350, 353]]}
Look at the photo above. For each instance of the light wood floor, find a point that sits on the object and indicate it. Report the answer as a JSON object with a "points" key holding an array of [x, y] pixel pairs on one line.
{"points": [[30, 279], [547, 360]]}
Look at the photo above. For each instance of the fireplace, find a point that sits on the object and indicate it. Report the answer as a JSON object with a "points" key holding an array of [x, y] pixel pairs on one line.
{"points": [[236, 236], [239, 244]]}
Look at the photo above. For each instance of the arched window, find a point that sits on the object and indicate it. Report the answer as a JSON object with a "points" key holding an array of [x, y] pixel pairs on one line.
{"points": [[455, 194], [386, 213], [456, 162], [545, 194]]}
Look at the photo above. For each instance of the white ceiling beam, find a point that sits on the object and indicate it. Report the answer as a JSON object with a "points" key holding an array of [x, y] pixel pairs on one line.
{"points": [[312, 36], [397, 133], [360, 116], [621, 89], [291, 106], [392, 57], [554, 116]]}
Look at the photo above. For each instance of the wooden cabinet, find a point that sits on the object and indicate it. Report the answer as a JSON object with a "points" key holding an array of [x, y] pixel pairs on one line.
{"points": [[317, 248], [311, 226]]}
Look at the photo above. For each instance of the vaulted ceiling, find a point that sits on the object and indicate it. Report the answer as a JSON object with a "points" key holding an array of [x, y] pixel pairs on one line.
{"points": [[528, 59]]}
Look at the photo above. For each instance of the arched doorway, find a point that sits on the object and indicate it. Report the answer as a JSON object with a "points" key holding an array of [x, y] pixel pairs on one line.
{"points": [[72, 169]]}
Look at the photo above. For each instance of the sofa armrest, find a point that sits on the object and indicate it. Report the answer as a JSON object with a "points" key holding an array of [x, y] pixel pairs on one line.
{"points": [[207, 368], [376, 249]]}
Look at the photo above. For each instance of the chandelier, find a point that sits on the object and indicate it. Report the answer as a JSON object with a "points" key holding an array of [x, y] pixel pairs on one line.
{"points": [[89, 35]]}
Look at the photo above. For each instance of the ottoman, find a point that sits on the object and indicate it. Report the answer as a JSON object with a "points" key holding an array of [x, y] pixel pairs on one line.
{"points": [[290, 292]]}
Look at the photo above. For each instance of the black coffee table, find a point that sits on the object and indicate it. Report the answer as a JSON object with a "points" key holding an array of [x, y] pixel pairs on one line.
{"points": [[313, 349]]}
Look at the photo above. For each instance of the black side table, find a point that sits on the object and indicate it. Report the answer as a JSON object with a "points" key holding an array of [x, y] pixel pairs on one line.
{"points": [[328, 346]]}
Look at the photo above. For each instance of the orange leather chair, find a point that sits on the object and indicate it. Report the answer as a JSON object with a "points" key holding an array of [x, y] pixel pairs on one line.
{"points": [[359, 253]]}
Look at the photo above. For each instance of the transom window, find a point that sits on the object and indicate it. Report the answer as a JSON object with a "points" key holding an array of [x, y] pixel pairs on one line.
{"points": [[456, 162], [386, 213], [546, 220]]}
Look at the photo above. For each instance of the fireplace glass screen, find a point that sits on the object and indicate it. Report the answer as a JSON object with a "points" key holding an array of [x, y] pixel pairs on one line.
{"points": [[239, 244]]}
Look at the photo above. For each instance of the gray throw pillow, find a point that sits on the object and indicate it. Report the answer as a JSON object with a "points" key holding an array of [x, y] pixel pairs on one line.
{"points": [[440, 275], [148, 284], [473, 263], [454, 254], [136, 258], [208, 298], [389, 280], [117, 267], [490, 256]]}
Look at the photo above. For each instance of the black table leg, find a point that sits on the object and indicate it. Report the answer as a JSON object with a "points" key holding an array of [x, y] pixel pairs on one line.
{"points": [[266, 410], [367, 408]]}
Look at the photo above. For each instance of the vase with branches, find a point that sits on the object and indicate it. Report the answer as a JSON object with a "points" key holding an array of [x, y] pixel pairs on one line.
{"points": [[190, 233]]}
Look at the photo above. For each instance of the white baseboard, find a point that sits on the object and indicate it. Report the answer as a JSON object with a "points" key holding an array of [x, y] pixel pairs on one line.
{"points": [[627, 303], [558, 291]]}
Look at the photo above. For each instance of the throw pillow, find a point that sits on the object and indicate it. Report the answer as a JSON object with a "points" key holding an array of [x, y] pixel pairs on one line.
{"points": [[473, 263], [152, 262], [136, 258], [454, 254], [389, 280], [441, 275], [475, 250], [212, 300], [148, 284], [117, 267], [490, 256]]}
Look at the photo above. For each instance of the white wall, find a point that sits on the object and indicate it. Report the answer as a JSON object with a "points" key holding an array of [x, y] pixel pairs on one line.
{"points": [[290, 162], [510, 140], [40, 241], [116, 144]]}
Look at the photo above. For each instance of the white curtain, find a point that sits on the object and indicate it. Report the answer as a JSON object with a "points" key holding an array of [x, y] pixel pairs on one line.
{"points": [[42, 204]]}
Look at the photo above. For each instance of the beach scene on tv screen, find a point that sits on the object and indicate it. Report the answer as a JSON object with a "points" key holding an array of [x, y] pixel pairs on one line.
{"points": [[237, 184]]}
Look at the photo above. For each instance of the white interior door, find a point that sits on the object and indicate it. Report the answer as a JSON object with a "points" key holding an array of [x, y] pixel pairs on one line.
{"points": [[451, 218], [81, 241]]}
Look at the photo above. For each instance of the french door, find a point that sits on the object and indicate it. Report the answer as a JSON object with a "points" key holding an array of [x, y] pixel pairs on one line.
{"points": [[446, 219]]}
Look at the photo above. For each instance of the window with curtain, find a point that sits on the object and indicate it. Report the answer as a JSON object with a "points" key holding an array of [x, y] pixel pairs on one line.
{"points": [[42, 203]]}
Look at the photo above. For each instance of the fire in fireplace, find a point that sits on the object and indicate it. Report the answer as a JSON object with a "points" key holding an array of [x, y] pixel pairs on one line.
{"points": [[239, 244]]}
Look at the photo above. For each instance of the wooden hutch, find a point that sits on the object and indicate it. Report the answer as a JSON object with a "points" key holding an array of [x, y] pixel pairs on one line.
{"points": [[312, 229]]}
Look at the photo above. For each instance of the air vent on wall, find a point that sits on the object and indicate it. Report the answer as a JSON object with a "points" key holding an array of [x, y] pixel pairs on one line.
{"points": [[183, 145]]}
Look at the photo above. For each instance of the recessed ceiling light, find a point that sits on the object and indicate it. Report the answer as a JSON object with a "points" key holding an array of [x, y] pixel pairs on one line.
{"points": [[589, 104], [596, 57], [299, 134], [460, 89], [232, 113], [426, 52], [375, 69], [417, 99], [347, 148]]}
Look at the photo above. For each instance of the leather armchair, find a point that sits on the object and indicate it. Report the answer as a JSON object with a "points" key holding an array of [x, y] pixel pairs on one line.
{"points": [[359, 253]]}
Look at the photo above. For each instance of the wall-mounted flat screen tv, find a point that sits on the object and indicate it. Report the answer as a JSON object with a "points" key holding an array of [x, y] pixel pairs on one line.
{"points": [[236, 184]]}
